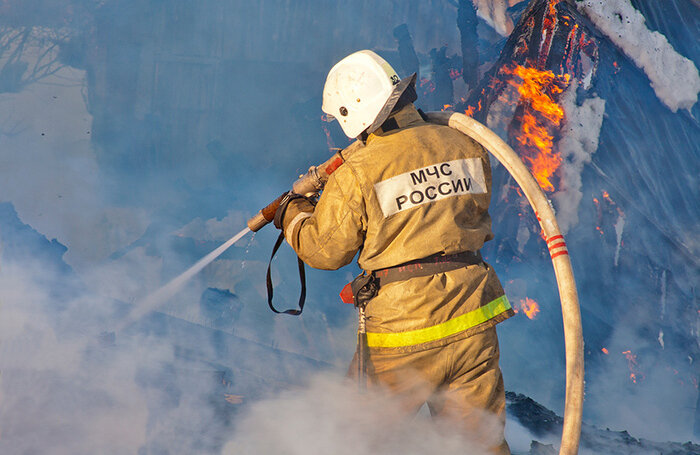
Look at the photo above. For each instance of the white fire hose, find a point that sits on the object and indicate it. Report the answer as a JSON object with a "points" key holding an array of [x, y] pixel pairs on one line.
{"points": [[573, 333]]}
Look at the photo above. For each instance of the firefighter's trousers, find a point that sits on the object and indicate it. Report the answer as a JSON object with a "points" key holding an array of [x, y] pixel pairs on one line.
{"points": [[461, 382]]}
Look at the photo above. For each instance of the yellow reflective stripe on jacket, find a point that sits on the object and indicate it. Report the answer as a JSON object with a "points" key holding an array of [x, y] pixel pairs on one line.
{"points": [[436, 332]]}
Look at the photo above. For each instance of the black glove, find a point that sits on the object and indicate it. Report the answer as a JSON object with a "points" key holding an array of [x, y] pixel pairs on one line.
{"points": [[282, 209]]}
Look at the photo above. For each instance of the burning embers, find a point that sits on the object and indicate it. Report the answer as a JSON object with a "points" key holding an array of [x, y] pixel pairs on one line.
{"points": [[607, 210], [635, 373]]}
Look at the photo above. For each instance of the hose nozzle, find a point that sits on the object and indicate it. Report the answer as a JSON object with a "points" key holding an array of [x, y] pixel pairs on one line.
{"points": [[308, 184]]}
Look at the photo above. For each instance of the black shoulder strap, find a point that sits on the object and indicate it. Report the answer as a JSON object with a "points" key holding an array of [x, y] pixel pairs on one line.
{"points": [[422, 115], [302, 279]]}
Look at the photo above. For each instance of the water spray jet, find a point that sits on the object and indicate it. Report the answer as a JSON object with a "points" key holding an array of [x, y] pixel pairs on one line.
{"points": [[311, 182], [158, 297]]}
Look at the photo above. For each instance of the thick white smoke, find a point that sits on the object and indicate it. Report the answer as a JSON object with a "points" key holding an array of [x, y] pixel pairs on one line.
{"points": [[51, 398], [330, 416], [64, 388], [45, 132], [578, 144]]}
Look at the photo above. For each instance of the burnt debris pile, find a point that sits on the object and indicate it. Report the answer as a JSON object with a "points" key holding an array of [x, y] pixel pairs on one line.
{"points": [[545, 424]]}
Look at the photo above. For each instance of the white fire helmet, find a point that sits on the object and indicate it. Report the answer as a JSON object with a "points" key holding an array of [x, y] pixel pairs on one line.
{"points": [[359, 90]]}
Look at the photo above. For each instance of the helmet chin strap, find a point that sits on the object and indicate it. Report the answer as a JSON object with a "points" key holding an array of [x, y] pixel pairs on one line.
{"points": [[399, 90]]}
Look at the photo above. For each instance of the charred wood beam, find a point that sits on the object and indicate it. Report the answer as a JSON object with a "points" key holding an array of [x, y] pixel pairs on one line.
{"points": [[542, 422], [444, 90], [550, 36], [467, 22], [521, 46], [407, 53]]}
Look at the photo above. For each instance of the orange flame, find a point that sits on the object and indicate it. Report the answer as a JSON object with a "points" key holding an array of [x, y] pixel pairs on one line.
{"points": [[471, 109], [541, 115], [605, 351], [446, 106], [530, 307]]}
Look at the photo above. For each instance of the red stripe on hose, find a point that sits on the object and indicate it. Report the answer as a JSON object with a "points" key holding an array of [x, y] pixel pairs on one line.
{"points": [[559, 253], [558, 245], [555, 238]]}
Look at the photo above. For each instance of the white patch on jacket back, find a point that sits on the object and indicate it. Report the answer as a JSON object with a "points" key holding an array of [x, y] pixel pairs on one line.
{"points": [[429, 184]]}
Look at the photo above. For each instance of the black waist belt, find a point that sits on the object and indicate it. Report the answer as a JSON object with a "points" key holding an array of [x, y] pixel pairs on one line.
{"points": [[366, 285], [430, 265]]}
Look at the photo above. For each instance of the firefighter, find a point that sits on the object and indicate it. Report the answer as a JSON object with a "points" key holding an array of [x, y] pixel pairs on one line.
{"points": [[413, 200]]}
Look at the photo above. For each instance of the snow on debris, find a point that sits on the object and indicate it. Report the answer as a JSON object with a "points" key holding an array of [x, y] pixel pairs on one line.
{"points": [[674, 78], [494, 13]]}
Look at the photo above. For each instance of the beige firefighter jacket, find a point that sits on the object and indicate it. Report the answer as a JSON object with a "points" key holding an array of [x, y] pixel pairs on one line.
{"points": [[409, 193]]}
